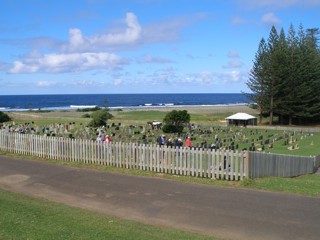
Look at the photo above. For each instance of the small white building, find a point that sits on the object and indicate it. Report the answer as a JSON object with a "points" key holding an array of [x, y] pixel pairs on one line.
{"points": [[241, 119]]}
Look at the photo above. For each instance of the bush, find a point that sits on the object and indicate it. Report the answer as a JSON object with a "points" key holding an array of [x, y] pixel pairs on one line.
{"points": [[96, 108], [87, 115], [175, 121], [172, 129], [100, 118], [4, 117]]}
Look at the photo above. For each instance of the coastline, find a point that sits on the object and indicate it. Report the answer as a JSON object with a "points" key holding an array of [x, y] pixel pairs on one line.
{"points": [[221, 108], [118, 101], [231, 108], [192, 109]]}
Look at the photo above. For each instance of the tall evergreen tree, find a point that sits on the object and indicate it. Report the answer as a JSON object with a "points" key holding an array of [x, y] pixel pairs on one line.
{"points": [[301, 87], [257, 82], [273, 72], [285, 78], [280, 73], [290, 103], [312, 75]]}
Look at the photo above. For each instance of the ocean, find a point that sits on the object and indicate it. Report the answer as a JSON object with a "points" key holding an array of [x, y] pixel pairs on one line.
{"points": [[117, 101]]}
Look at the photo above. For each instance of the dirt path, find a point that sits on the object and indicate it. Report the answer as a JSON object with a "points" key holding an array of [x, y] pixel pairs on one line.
{"points": [[221, 212]]}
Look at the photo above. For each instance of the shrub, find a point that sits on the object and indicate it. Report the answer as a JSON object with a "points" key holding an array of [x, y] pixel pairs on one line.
{"points": [[100, 118], [175, 121], [172, 129], [4, 117], [96, 108]]}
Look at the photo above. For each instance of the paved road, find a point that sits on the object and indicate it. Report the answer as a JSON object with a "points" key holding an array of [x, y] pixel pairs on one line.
{"points": [[222, 212]]}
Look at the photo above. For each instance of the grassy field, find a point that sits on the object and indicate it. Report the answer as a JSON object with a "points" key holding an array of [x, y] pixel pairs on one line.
{"points": [[24, 217], [209, 119]]}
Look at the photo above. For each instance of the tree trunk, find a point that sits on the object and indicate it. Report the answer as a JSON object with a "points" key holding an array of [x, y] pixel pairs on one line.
{"points": [[271, 111]]}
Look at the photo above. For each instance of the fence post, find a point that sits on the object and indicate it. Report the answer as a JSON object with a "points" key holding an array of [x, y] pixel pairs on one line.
{"points": [[246, 164]]}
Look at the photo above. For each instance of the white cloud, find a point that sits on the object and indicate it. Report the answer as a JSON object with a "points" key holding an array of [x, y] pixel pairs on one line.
{"points": [[270, 19], [80, 43], [86, 83], [233, 64], [85, 53], [73, 62], [238, 20], [218, 77], [117, 82], [2, 65], [169, 31], [233, 54], [233, 76], [170, 77], [45, 84], [154, 59]]}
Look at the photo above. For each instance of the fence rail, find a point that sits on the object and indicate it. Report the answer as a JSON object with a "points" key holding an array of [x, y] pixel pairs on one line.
{"points": [[204, 163]]}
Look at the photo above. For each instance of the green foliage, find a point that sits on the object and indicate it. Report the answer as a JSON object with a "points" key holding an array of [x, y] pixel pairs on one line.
{"points": [[285, 78], [96, 108], [86, 115], [100, 118], [4, 117], [172, 129], [176, 120]]}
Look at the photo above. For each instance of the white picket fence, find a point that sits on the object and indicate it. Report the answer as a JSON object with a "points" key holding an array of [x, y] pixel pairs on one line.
{"points": [[195, 162]]}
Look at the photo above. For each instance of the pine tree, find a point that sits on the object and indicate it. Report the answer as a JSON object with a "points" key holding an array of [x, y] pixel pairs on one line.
{"points": [[280, 72], [285, 78], [257, 80], [312, 76], [301, 87], [291, 101], [273, 72]]}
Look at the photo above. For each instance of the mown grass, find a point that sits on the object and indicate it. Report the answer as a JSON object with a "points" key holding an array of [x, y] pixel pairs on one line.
{"points": [[23, 217], [305, 147], [307, 185], [140, 115]]}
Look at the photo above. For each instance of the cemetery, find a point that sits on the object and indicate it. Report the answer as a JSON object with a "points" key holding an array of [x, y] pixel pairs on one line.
{"points": [[291, 141]]}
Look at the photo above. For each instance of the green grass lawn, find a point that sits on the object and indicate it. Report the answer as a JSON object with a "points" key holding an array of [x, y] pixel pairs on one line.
{"points": [[306, 147], [307, 185], [23, 217], [137, 115]]}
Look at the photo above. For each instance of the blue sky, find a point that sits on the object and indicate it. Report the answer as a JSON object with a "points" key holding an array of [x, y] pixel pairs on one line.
{"points": [[138, 46]]}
